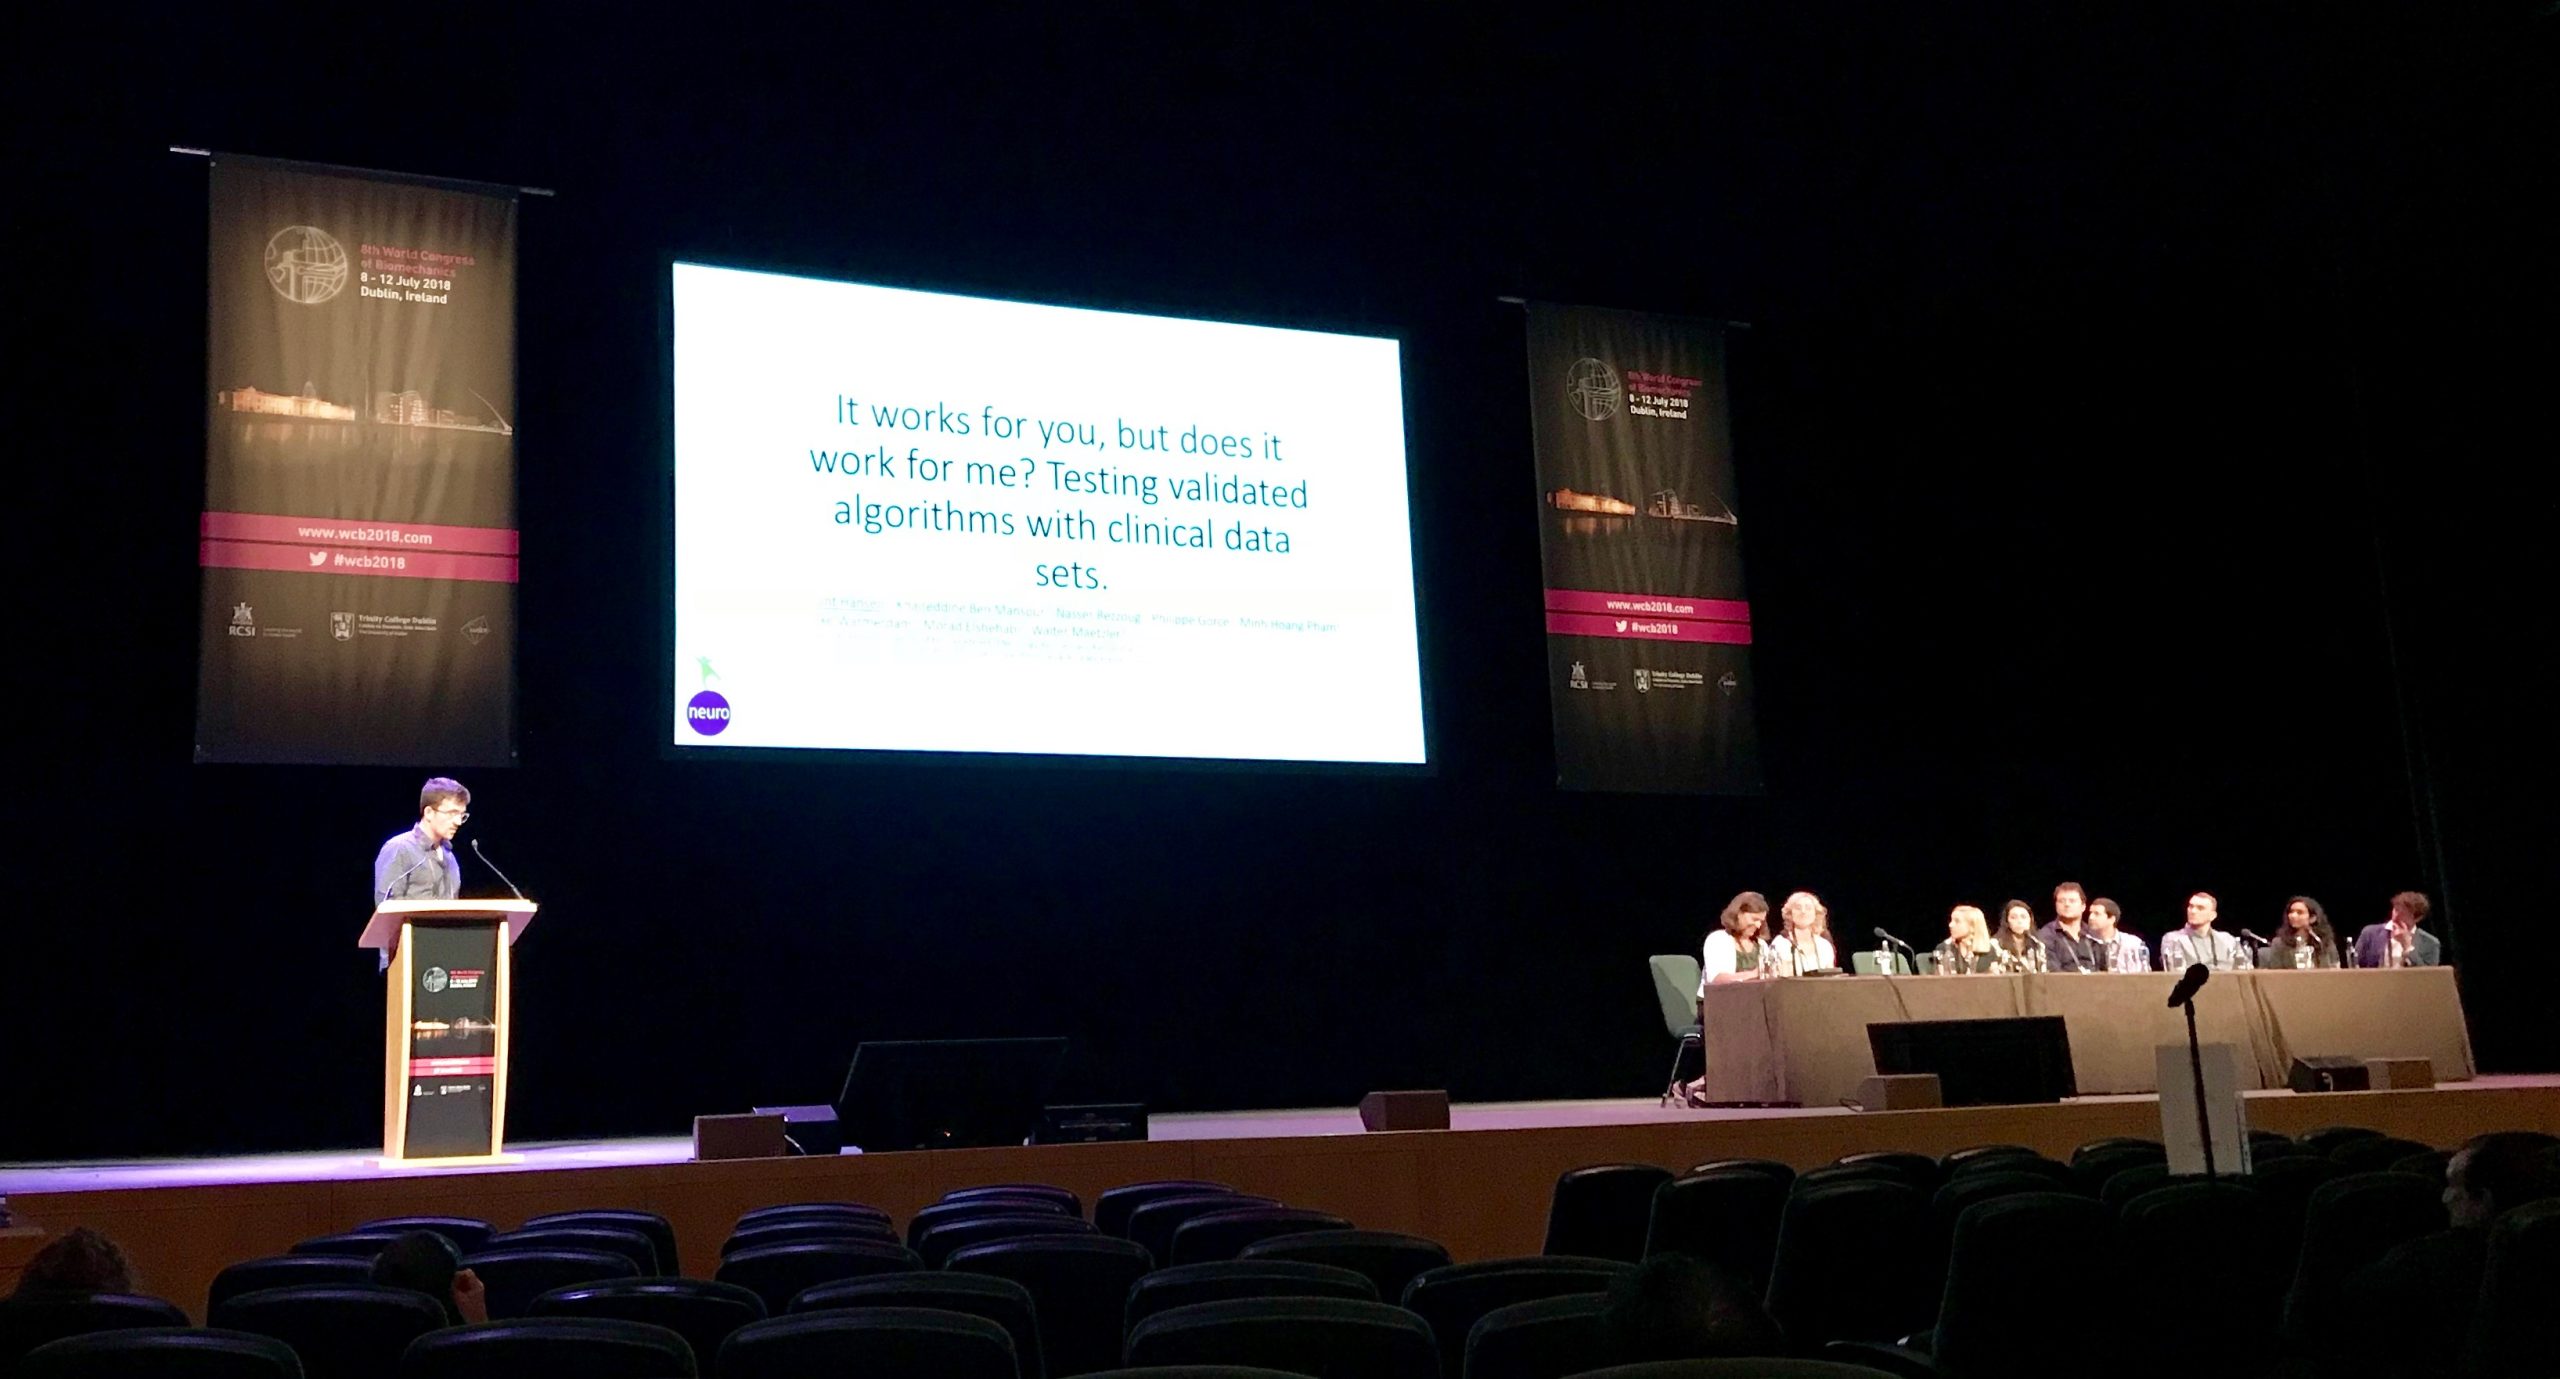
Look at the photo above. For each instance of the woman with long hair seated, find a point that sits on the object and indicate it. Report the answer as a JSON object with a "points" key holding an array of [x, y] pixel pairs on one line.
{"points": [[2304, 940], [1732, 952], [1805, 945], [1968, 948], [2020, 949]]}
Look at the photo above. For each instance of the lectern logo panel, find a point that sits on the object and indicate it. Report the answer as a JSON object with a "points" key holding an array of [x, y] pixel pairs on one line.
{"points": [[435, 980]]}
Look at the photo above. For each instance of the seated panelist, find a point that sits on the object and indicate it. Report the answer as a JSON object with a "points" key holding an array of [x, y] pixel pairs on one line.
{"points": [[1968, 948]]}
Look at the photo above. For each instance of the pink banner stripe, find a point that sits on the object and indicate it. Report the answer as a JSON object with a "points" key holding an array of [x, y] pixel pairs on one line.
{"points": [[1648, 605], [344, 560], [1649, 629], [452, 1067], [339, 531]]}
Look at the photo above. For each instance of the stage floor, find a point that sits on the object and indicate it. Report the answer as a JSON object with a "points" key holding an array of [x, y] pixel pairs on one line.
{"points": [[1299, 1123]]}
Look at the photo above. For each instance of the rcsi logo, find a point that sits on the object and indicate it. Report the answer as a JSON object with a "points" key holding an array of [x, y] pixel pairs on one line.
{"points": [[306, 265], [244, 623], [707, 713], [1578, 679], [1593, 388], [435, 980]]}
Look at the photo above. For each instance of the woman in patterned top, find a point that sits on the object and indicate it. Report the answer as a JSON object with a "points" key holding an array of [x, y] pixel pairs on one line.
{"points": [[2020, 949], [1968, 948]]}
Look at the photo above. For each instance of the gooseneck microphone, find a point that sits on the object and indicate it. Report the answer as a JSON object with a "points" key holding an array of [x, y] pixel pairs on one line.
{"points": [[394, 883], [1895, 942], [2253, 938], [493, 867]]}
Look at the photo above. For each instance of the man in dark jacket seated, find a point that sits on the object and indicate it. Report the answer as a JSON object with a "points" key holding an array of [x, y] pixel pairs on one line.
{"points": [[2431, 1283]]}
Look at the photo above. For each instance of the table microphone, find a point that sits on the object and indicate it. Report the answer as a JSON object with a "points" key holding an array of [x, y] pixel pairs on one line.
{"points": [[2194, 980], [493, 867], [2253, 938]]}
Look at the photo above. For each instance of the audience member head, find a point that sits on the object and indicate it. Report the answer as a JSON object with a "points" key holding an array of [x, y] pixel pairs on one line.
{"points": [[2017, 926], [1802, 913], [1745, 916], [2408, 908], [2070, 903], [2202, 910], [82, 1261], [425, 1262], [2503, 1169], [2103, 914], [1678, 1307]]}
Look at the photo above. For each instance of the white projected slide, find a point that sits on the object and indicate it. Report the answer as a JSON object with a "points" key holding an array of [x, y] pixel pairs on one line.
{"points": [[920, 522]]}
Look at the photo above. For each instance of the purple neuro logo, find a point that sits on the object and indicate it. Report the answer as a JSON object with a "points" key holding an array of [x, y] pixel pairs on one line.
{"points": [[707, 713]]}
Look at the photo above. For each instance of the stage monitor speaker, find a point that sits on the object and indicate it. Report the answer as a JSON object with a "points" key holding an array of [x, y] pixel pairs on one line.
{"points": [[2400, 1074], [1404, 1111], [2329, 1075], [1900, 1092], [1103, 1123], [738, 1137], [811, 1129]]}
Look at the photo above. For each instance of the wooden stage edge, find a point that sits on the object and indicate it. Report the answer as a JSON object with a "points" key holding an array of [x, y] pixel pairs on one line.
{"points": [[1481, 1188]]}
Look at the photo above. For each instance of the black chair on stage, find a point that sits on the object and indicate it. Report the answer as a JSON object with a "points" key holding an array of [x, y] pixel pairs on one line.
{"points": [[1391, 1260], [286, 1271], [1728, 1217], [1224, 1234], [469, 1234], [1601, 1212], [512, 1279], [808, 1228], [631, 1245], [1111, 1210], [347, 1244], [2511, 1331], [2326, 1140], [1545, 1339], [777, 1273], [1769, 1167], [341, 1331], [2212, 1238], [550, 1348], [703, 1311], [1955, 1159], [28, 1320], [1079, 1287], [927, 1220], [1919, 1170], [1073, 1203], [1188, 1285], [939, 1243], [161, 1352], [1332, 1337], [2376, 1154], [887, 1342], [1869, 1242], [2350, 1222], [1453, 1299], [799, 1211], [1000, 1300], [661, 1233], [2094, 1167], [1153, 1223]]}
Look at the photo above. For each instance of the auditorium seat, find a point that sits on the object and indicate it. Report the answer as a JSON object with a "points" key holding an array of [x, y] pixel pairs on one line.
{"points": [[1454, 1298], [2133, 1182], [1111, 1210], [1853, 1173], [938, 1243], [926, 1219], [1389, 1258], [2325, 1140], [1000, 1300], [2375, 1154], [1224, 1234], [1919, 1170], [661, 1233], [1949, 1204], [161, 1352], [2426, 1163], [512, 1279], [2201, 1240], [2092, 1167], [1073, 1203], [1990, 1325], [1079, 1287], [347, 1244], [286, 1271], [808, 1228], [796, 1211], [1187, 1285], [1854, 1262], [1195, 1372], [2284, 1187], [1728, 1217], [29, 1319], [550, 1348], [468, 1233], [873, 1342], [1331, 1337], [340, 1331], [2511, 1330], [1153, 1223], [1767, 1167], [631, 1245], [703, 1311], [2053, 1171], [777, 1273], [2349, 1222], [1954, 1159], [1600, 1212], [1737, 1369], [1544, 1339], [2118, 1142]]}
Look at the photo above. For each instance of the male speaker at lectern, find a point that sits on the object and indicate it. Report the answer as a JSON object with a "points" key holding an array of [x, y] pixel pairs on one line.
{"points": [[419, 864]]}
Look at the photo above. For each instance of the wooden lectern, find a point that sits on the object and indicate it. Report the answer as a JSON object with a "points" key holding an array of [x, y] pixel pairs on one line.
{"points": [[444, 1047]]}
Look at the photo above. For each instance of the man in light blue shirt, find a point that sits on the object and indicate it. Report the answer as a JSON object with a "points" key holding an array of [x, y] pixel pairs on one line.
{"points": [[419, 864], [2200, 942]]}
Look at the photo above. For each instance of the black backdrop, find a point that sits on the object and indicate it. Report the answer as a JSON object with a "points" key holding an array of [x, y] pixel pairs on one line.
{"points": [[2126, 399]]}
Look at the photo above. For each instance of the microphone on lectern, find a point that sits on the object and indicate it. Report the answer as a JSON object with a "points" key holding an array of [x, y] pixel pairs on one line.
{"points": [[492, 866]]}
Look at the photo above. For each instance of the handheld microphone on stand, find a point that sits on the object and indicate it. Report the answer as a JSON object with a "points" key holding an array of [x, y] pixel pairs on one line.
{"points": [[493, 867], [2183, 997], [1908, 952], [2255, 941]]}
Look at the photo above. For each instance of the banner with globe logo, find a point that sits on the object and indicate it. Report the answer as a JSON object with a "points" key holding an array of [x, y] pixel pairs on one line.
{"points": [[1648, 628], [358, 542]]}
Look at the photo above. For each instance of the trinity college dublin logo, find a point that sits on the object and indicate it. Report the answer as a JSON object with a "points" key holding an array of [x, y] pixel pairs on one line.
{"points": [[306, 265]]}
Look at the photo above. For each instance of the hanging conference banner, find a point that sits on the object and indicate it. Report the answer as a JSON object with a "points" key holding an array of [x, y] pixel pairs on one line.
{"points": [[358, 544], [1648, 632]]}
